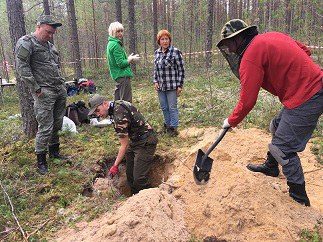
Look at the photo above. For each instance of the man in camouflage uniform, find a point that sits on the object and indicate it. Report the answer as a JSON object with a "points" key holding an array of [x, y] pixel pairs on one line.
{"points": [[38, 65], [138, 143]]}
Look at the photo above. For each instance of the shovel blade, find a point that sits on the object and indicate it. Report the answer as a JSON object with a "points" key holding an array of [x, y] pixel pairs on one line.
{"points": [[202, 168]]}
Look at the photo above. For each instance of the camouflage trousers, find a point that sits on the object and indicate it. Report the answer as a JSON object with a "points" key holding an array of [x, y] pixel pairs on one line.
{"points": [[139, 157], [49, 109]]}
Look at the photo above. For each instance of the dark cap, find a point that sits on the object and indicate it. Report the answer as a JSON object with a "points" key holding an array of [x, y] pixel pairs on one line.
{"points": [[95, 101], [47, 19]]}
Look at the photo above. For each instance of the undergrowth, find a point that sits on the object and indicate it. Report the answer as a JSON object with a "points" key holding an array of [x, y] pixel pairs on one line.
{"points": [[43, 204]]}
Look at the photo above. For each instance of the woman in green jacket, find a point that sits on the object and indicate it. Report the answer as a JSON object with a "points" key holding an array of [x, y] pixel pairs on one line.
{"points": [[119, 63]]}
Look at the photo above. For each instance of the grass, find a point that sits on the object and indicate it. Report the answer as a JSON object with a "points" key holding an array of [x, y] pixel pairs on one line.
{"points": [[312, 235], [58, 199]]}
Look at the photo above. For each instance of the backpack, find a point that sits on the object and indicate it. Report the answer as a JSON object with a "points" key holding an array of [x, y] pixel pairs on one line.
{"points": [[71, 90], [86, 86], [78, 113]]}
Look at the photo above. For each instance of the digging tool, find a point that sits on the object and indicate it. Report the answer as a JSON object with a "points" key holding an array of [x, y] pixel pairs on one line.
{"points": [[203, 163]]}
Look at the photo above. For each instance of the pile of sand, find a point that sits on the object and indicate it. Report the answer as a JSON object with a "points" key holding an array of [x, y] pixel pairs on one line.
{"points": [[236, 204], [151, 215]]}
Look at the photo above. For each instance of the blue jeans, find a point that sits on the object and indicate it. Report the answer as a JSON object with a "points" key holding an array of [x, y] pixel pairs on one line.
{"points": [[168, 104]]}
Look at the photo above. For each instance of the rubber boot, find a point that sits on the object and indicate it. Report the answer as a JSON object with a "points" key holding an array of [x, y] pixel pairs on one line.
{"points": [[173, 131], [165, 129], [54, 153], [269, 168], [298, 193], [42, 167]]}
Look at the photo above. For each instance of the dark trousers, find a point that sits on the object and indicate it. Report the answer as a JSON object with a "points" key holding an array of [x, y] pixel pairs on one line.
{"points": [[123, 89], [294, 128], [139, 157]]}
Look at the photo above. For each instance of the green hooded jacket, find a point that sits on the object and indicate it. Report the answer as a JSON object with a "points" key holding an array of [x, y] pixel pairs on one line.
{"points": [[117, 59]]}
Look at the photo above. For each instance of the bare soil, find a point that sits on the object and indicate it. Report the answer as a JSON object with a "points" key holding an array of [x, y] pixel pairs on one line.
{"points": [[236, 204]]}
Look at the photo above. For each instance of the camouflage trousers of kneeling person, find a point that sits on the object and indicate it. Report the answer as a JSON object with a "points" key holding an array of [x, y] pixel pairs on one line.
{"points": [[49, 109], [139, 157]]}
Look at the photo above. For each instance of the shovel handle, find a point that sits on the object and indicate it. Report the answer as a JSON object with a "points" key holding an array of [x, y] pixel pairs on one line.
{"points": [[225, 130]]}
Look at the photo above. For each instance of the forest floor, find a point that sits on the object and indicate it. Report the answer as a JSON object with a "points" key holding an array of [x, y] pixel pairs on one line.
{"points": [[236, 204]]}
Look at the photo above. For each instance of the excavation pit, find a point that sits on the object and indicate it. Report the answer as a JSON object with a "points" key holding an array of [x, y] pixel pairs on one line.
{"points": [[104, 186]]}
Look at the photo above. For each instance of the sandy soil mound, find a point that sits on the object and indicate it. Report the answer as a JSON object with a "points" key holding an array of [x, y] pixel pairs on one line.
{"points": [[149, 215], [239, 205], [236, 204]]}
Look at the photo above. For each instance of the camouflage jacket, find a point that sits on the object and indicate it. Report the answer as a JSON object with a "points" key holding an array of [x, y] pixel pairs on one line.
{"points": [[127, 123], [38, 64]]}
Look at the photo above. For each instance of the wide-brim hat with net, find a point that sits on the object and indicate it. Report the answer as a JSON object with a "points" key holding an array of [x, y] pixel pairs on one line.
{"points": [[233, 28]]}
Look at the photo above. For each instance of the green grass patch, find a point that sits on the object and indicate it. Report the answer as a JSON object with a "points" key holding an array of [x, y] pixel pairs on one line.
{"points": [[208, 97]]}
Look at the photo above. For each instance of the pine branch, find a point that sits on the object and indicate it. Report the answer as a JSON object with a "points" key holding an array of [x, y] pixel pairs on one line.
{"points": [[13, 214]]}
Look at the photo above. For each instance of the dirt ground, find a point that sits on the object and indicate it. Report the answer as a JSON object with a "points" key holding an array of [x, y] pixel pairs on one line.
{"points": [[236, 204]]}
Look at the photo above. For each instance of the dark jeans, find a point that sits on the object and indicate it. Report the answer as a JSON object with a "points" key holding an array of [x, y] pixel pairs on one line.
{"points": [[294, 128], [123, 89], [139, 156]]}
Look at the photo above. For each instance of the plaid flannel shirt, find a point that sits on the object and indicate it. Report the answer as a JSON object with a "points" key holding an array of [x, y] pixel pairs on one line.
{"points": [[169, 69]]}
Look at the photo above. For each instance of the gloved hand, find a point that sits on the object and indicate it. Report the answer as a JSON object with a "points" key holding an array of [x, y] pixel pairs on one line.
{"points": [[133, 57], [113, 171], [226, 124]]}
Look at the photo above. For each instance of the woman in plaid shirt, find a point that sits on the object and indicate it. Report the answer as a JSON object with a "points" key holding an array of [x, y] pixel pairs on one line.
{"points": [[169, 74]]}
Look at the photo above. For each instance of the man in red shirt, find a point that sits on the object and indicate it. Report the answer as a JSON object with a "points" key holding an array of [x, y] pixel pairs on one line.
{"points": [[283, 67]]}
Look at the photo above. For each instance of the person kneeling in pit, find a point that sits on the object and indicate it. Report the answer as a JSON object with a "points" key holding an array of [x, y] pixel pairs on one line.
{"points": [[138, 141]]}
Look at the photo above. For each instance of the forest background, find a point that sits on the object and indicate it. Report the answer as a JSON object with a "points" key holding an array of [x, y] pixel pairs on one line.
{"points": [[195, 25], [210, 92]]}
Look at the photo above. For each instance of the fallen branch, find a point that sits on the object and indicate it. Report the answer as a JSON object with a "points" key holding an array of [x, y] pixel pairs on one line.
{"points": [[313, 184], [39, 227], [170, 185], [13, 214], [206, 110], [7, 233], [313, 170], [200, 113], [290, 234]]}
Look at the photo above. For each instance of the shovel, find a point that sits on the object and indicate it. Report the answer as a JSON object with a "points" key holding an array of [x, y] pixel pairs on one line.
{"points": [[203, 163]]}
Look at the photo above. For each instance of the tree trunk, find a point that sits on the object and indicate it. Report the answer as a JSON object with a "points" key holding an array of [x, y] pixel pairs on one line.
{"points": [[241, 9], [184, 32], [168, 16], [47, 12], [155, 22], [118, 11], [209, 33], [4, 62], [132, 33], [46, 7], [16, 19], [173, 11], [191, 28], [95, 38], [76, 48]]}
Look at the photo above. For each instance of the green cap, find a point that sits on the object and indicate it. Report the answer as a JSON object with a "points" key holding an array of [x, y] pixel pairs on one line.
{"points": [[48, 19], [95, 101], [233, 28]]}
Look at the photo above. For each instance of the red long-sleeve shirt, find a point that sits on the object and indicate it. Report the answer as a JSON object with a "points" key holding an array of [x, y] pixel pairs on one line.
{"points": [[280, 65]]}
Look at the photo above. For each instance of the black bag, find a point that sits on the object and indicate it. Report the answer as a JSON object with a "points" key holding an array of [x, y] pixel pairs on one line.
{"points": [[82, 112], [78, 113]]}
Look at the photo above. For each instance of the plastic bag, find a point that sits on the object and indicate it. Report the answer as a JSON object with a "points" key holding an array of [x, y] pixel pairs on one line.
{"points": [[69, 125]]}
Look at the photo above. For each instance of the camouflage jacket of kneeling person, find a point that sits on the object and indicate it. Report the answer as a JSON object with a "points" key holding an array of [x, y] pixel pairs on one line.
{"points": [[128, 121], [38, 64]]}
